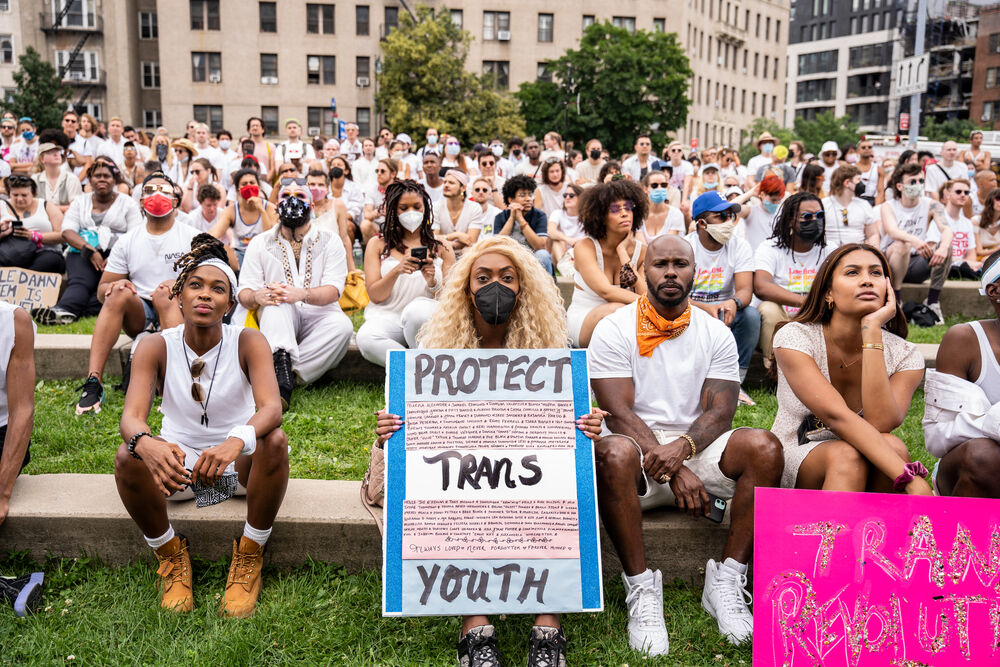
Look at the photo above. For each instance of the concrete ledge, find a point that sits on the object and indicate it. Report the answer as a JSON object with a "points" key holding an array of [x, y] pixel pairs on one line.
{"points": [[66, 356], [71, 515]]}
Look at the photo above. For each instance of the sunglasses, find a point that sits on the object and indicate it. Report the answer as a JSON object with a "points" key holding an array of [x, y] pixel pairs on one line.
{"points": [[657, 186], [286, 171], [844, 212], [617, 208], [487, 164], [482, 190], [197, 390], [728, 214], [569, 195], [817, 216], [152, 189], [17, 180], [7, 127], [960, 192], [916, 180], [675, 150], [298, 181], [197, 172], [382, 171]]}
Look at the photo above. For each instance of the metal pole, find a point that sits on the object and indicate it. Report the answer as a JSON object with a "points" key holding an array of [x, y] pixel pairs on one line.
{"points": [[918, 49]]}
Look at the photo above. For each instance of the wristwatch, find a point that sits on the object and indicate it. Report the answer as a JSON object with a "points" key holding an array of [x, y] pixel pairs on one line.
{"points": [[739, 304]]}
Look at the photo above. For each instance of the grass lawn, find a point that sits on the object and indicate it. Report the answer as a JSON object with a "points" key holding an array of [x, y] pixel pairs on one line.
{"points": [[85, 325]]}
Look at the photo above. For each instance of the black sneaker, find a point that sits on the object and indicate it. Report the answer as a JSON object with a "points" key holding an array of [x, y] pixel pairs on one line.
{"points": [[286, 380], [23, 593], [52, 316], [93, 394], [479, 648], [547, 647]]}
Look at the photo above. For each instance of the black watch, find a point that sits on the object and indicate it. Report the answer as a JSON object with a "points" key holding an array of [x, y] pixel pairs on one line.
{"points": [[739, 304], [134, 440]]}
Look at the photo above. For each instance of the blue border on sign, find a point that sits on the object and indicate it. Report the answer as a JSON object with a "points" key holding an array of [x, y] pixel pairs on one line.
{"points": [[590, 555], [395, 492]]}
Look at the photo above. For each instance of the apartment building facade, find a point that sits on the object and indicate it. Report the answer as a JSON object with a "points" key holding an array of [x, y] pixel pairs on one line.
{"points": [[985, 107], [222, 61]]}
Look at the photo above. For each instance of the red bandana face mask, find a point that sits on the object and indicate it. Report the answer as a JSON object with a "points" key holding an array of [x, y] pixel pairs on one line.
{"points": [[158, 204], [248, 191]]}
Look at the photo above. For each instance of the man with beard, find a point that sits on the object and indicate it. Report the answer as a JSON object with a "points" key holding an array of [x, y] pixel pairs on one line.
{"points": [[672, 445]]}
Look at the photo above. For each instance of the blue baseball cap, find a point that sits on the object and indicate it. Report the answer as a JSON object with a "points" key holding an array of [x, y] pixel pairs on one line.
{"points": [[712, 202]]}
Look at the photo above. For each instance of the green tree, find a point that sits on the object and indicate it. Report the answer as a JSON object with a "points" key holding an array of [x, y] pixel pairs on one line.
{"points": [[615, 86], [424, 83], [826, 127], [758, 127], [39, 93], [954, 129]]}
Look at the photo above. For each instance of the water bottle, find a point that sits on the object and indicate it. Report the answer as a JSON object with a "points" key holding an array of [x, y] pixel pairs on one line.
{"points": [[359, 258]]}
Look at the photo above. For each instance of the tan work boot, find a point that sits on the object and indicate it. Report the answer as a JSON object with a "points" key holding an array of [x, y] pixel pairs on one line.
{"points": [[175, 575], [243, 584]]}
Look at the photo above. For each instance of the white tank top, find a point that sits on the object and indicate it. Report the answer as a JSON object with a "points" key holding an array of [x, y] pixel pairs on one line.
{"points": [[406, 288], [39, 220], [870, 179], [590, 298], [244, 232], [6, 347], [230, 402], [989, 373], [912, 220]]}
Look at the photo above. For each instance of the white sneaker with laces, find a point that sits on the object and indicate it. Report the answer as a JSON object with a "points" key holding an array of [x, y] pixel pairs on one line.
{"points": [[936, 309], [725, 598], [647, 631]]}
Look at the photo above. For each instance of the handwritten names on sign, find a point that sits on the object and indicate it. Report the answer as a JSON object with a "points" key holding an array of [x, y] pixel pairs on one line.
{"points": [[29, 289]]}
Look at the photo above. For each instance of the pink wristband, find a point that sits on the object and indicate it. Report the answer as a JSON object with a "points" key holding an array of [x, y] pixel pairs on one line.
{"points": [[911, 471], [36, 237]]}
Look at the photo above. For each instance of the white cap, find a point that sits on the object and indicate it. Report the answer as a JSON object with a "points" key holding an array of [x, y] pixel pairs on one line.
{"points": [[733, 190], [405, 138], [830, 147]]}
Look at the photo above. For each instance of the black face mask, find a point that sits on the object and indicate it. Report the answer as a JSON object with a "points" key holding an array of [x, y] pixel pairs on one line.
{"points": [[161, 152], [516, 152], [293, 212], [859, 190], [595, 155], [248, 148], [495, 302], [336, 172], [811, 231]]}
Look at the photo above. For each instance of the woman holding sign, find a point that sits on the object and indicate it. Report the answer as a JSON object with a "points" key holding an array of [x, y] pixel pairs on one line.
{"points": [[498, 296], [846, 376]]}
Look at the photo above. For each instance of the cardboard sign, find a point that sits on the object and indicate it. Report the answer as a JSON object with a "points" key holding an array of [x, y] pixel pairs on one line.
{"points": [[858, 579], [29, 289], [491, 500]]}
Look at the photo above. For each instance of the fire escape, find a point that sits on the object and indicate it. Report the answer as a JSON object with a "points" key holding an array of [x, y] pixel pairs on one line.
{"points": [[57, 27]]}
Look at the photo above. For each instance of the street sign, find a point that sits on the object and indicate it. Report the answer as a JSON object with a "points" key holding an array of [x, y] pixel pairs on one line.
{"points": [[333, 104], [904, 121], [341, 130], [911, 76], [694, 143]]}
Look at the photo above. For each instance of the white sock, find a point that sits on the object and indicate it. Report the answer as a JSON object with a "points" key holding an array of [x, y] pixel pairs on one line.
{"points": [[157, 542], [743, 374], [641, 578], [258, 536], [741, 568]]}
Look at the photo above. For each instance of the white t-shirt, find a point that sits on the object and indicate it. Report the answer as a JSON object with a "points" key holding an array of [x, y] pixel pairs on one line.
{"points": [[714, 269], [148, 260], [471, 217], [792, 271], [667, 385], [934, 175], [567, 224], [859, 214], [680, 172], [756, 162], [759, 225], [963, 236], [436, 194], [197, 220], [914, 220], [295, 150]]}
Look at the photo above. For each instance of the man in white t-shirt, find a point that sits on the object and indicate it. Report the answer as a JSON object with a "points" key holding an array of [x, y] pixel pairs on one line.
{"points": [[351, 146], [948, 168], [964, 263], [135, 286], [294, 150], [206, 149], [723, 281], [81, 151], [669, 376], [114, 146], [681, 174], [828, 153], [765, 144], [641, 163]]}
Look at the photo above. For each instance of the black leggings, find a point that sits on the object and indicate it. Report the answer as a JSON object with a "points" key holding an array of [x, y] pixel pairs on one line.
{"points": [[80, 296]]}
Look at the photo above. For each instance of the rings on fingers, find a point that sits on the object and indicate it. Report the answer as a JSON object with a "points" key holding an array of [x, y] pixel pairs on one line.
{"points": [[664, 478]]}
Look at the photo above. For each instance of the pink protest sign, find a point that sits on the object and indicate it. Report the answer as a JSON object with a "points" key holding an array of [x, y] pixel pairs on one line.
{"points": [[858, 579]]}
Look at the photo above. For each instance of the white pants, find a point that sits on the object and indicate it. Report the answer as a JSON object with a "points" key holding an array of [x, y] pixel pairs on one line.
{"points": [[316, 337], [387, 330]]}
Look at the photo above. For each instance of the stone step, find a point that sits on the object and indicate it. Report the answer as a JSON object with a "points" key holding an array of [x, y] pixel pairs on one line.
{"points": [[67, 515]]}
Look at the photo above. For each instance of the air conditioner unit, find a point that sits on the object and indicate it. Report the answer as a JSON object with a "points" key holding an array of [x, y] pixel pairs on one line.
{"points": [[364, 82], [744, 70], [718, 103], [313, 131], [503, 35], [76, 75], [271, 80], [215, 78], [720, 61]]}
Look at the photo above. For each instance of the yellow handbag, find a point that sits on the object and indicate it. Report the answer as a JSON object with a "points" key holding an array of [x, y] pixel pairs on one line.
{"points": [[355, 296]]}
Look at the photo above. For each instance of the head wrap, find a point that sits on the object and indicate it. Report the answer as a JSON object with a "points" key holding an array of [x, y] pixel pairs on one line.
{"points": [[225, 268], [460, 176], [990, 275]]}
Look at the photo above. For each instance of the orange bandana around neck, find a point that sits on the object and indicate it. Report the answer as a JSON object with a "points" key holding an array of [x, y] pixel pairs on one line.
{"points": [[651, 329]]}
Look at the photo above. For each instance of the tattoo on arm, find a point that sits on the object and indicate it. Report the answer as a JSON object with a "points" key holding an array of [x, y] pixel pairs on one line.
{"points": [[937, 213], [718, 404]]}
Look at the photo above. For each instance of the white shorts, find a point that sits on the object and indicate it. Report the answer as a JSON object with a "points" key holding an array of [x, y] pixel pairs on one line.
{"points": [[704, 464], [191, 456]]}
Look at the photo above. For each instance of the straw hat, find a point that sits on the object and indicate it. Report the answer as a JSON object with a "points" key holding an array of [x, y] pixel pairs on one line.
{"points": [[186, 145]]}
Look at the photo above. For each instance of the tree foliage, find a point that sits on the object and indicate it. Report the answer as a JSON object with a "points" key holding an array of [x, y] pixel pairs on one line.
{"points": [[615, 86], [39, 93], [812, 133], [954, 129], [424, 83]]}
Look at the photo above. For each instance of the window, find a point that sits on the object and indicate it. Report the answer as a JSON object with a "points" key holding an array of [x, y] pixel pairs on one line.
{"points": [[543, 72], [864, 23], [362, 66], [495, 23], [545, 27], [868, 85], [268, 13], [588, 20], [361, 19], [270, 117], [991, 111], [320, 121], [150, 74], [4, 5], [743, 101], [818, 90], [210, 114], [815, 63], [80, 14], [500, 71], [84, 67], [812, 112], [391, 18], [757, 34], [875, 20], [991, 77], [204, 14], [95, 109], [995, 42], [206, 66], [659, 25], [148, 27], [458, 18], [321, 69], [627, 22], [870, 55], [756, 63], [874, 113], [767, 28], [269, 68], [6, 50], [777, 31], [319, 19], [854, 24], [364, 120], [151, 118]]}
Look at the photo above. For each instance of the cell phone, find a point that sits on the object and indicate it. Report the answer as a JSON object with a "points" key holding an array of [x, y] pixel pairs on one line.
{"points": [[17, 222], [419, 252], [717, 508]]}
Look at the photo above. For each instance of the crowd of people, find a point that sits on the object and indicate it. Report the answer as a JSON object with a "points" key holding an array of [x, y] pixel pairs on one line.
{"points": [[226, 258]]}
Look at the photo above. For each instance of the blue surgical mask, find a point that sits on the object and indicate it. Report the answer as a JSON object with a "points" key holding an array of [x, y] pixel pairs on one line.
{"points": [[766, 148], [972, 173], [710, 185], [770, 206], [432, 140], [658, 196], [28, 135], [452, 149]]}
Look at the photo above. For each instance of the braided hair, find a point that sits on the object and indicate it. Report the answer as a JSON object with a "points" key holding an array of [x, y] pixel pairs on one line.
{"points": [[784, 221], [393, 231], [203, 246]]}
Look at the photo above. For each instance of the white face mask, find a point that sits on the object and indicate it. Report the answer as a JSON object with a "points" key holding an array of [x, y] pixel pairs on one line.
{"points": [[224, 144], [411, 220], [913, 190], [497, 150]]}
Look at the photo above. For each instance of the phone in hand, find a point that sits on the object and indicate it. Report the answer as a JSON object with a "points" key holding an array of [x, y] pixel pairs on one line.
{"points": [[717, 508], [419, 252]]}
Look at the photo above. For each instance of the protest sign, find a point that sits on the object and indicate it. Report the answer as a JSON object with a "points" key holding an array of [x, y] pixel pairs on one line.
{"points": [[29, 289], [490, 502], [858, 579]]}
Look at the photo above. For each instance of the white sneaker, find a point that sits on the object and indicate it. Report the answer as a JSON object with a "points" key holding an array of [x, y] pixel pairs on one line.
{"points": [[647, 631], [936, 309], [725, 598]]}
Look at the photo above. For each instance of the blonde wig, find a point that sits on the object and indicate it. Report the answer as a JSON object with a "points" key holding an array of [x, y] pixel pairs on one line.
{"points": [[538, 320]]}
